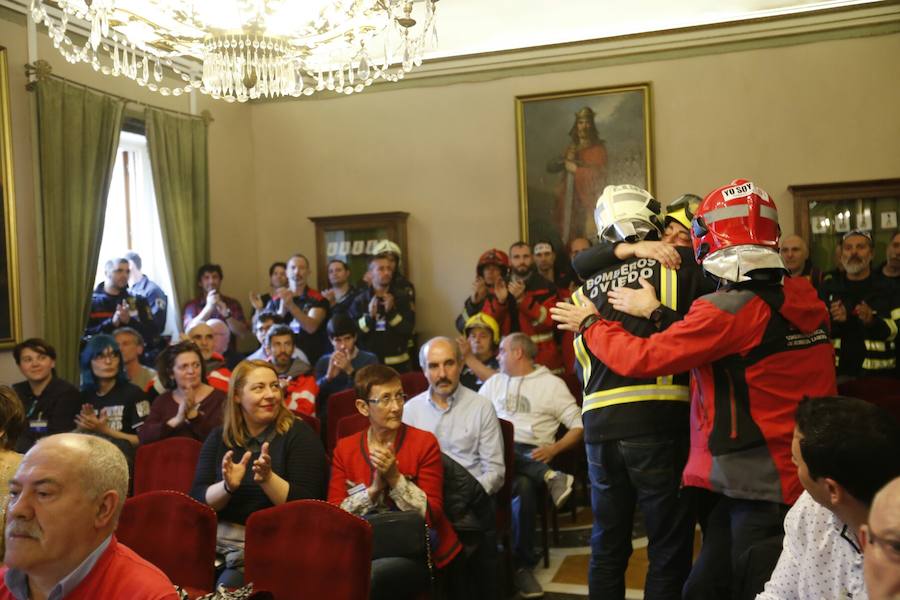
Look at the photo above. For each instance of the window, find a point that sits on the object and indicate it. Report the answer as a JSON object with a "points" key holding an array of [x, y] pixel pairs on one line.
{"points": [[132, 220]]}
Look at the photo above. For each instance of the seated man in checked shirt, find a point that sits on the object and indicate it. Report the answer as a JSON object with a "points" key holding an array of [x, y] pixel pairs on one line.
{"points": [[845, 450]]}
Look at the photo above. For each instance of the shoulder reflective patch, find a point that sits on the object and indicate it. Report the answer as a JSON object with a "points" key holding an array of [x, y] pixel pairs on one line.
{"points": [[730, 301], [142, 408]]}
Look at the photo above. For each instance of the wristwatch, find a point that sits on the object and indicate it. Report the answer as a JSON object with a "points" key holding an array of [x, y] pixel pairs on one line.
{"points": [[657, 315]]}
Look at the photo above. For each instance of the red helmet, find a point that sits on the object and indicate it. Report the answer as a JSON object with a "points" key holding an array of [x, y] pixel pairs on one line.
{"points": [[495, 257], [735, 231]]}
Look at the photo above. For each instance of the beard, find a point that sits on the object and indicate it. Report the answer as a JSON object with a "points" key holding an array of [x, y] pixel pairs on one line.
{"points": [[854, 265]]}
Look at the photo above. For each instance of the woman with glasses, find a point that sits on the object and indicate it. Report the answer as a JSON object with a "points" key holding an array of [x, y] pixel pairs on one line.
{"points": [[191, 407], [392, 466], [260, 457], [110, 406]]}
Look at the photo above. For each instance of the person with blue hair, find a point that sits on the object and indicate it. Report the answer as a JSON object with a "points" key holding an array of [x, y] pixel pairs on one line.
{"points": [[111, 407]]}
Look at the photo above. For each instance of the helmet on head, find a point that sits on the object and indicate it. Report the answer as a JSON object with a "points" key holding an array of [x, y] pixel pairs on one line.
{"points": [[494, 257], [682, 209], [386, 247], [485, 322], [626, 213], [735, 231]]}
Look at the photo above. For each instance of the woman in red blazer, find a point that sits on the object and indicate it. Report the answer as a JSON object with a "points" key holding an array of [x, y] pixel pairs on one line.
{"points": [[391, 466]]}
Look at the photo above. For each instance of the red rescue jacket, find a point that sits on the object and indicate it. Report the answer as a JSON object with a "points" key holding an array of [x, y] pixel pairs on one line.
{"points": [[754, 352]]}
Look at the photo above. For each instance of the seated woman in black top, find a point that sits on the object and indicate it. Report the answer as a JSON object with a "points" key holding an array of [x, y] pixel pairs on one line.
{"points": [[259, 458], [50, 403], [111, 407]]}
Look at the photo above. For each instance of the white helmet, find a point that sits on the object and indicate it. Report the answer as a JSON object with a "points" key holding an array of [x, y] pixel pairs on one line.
{"points": [[626, 213]]}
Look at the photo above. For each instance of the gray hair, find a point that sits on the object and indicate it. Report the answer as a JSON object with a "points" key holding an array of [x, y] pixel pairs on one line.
{"points": [[423, 351], [102, 468], [523, 341]]}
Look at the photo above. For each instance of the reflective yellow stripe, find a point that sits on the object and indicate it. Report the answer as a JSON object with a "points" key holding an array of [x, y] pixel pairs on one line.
{"points": [[540, 319], [584, 360], [578, 297], [396, 360], [892, 327], [537, 338], [875, 346], [362, 324], [836, 342], [874, 364], [636, 393], [396, 320], [668, 296]]}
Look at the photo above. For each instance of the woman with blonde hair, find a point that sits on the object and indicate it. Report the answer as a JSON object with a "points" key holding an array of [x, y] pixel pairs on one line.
{"points": [[260, 457]]}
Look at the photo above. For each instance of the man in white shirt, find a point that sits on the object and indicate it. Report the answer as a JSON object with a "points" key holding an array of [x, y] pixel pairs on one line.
{"points": [[537, 402], [468, 431], [845, 450], [881, 544]]}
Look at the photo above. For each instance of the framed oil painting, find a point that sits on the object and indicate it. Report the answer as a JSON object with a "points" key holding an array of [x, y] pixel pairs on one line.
{"points": [[10, 324], [570, 146]]}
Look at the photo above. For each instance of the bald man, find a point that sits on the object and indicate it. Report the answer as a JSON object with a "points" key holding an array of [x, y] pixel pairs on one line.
{"points": [[217, 372], [880, 539], [65, 501], [795, 254]]}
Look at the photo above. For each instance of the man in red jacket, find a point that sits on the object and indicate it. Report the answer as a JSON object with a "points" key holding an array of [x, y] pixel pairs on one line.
{"points": [[65, 501], [755, 348]]}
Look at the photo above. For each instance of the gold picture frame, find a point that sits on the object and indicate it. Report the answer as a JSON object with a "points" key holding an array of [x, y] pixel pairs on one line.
{"points": [[563, 169], [10, 316]]}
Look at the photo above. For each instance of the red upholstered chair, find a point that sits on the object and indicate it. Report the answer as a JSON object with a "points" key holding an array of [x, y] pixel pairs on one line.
{"points": [[351, 424], [168, 464], [313, 422], [174, 532], [308, 549], [414, 383], [340, 404], [504, 498], [869, 388]]}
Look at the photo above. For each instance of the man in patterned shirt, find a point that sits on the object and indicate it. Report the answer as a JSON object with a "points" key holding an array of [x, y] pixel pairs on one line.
{"points": [[845, 450]]}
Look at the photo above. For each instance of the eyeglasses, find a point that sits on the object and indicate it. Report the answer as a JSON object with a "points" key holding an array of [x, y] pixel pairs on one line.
{"points": [[399, 399], [890, 547], [108, 355], [862, 232]]}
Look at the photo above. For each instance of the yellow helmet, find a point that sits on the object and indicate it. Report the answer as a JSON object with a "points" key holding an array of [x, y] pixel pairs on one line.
{"points": [[682, 209], [485, 322]]}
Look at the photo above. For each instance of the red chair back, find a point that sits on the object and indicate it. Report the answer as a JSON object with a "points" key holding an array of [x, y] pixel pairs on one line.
{"points": [[351, 424], [504, 495], [870, 388], [340, 404], [174, 532], [168, 464], [313, 422], [414, 383], [331, 558]]}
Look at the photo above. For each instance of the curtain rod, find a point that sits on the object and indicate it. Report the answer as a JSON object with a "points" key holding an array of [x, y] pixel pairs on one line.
{"points": [[41, 69]]}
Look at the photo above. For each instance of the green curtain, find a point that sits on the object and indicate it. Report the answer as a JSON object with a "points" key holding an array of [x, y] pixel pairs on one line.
{"points": [[78, 135], [178, 158]]}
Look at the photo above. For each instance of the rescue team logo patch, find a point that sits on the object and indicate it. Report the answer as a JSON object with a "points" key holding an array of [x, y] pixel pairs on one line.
{"points": [[620, 277], [745, 189]]}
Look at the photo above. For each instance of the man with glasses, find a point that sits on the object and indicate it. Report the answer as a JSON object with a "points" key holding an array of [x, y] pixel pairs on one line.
{"points": [[537, 402], [865, 312], [468, 431], [881, 544], [845, 450]]}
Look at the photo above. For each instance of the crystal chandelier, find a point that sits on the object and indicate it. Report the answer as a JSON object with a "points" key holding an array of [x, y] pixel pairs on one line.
{"points": [[248, 49]]}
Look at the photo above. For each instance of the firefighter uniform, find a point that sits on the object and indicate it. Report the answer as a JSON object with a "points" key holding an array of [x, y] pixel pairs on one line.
{"points": [[634, 424], [862, 350], [389, 335]]}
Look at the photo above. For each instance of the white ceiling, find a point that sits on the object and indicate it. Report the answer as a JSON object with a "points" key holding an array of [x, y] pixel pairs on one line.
{"points": [[468, 27]]}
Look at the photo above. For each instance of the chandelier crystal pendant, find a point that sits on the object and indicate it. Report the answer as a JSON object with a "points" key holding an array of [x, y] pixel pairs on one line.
{"points": [[248, 49]]}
